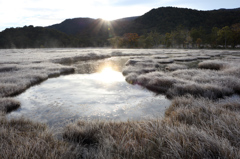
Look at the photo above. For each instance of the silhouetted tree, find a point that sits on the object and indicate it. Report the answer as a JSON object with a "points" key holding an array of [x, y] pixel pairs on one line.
{"points": [[225, 34]]}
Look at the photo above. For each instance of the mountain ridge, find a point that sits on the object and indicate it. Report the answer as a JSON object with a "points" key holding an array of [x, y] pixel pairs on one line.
{"points": [[82, 32], [166, 19], [162, 19], [78, 25]]}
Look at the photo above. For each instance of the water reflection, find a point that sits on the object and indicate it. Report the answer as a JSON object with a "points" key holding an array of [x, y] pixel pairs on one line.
{"points": [[108, 75], [103, 94], [116, 63]]}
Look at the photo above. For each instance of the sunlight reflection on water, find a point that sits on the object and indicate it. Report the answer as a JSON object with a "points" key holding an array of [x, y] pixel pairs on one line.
{"points": [[108, 75], [103, 94]]}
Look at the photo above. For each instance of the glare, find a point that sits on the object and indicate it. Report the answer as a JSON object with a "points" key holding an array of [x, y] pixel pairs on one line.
{"points": [[108, 75], [37, 13], [107, 70]]}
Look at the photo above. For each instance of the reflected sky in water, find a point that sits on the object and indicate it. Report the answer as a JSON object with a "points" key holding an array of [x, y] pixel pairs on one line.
{"points": [[103, 94]]}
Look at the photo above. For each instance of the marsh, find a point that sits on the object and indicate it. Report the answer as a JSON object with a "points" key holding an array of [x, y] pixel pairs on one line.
{"points": [[97, 90], [56, 88]]}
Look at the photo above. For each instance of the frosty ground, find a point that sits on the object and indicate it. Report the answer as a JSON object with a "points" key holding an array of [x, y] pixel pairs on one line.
{"points": [[202, 122]]}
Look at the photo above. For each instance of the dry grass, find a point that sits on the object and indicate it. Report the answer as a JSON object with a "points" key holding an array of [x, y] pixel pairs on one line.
{"points": [[160, 57], [138, 70], [8, 104], [174, 67], [6, 68], [197, 125], [192, 128], [69, 60], [213, 64], [203, 57], [165, 61], [185, 58], [221, 78], [199, 90], [219, 117], [21, 138], [27, 75]]}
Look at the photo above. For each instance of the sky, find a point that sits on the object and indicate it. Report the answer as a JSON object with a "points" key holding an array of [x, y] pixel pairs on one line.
{"points": [[18, 13]]}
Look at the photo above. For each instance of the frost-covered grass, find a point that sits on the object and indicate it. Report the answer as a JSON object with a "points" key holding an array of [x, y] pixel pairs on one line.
{"points": [[174, 67], [21, 138], [213, 64], [202, 121], [17, 80], [192, 128], [212, 79], [8, 104]]}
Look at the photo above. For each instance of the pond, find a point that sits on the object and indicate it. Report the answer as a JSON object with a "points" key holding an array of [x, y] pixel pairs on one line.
{"points": [[97, 90]]}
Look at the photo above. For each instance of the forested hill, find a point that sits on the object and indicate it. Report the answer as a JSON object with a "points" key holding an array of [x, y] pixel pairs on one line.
{"points": [[163, 20], [166, 19], [73, 26], [35, 37], [170, 25], [93, 32], [83, 26]]}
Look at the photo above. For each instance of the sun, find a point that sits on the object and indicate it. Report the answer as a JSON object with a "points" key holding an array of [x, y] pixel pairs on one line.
{"points": [[108, 14], [109, 17]]}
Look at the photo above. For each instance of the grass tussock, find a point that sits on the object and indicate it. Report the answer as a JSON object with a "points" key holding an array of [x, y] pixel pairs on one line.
{"points": [[213, 65], [137, 70], [185, 58], [217, 79], [192, 128], [15, 81], [214, 117], [202, 90], [6, 68], [165, 61], [21, 138], [174, 67], [8, 104], [203, 57], [160, 57], [72, 59]]}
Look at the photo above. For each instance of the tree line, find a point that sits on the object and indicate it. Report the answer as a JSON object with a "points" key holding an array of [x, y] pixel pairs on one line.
{"points": [[225, 37], [180, 37]]}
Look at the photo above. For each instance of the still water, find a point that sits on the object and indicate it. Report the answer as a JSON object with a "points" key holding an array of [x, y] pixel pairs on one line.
{"points": [[97, 90]]}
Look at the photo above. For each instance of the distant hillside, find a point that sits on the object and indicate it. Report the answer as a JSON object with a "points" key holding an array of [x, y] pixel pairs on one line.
{"points": [[72, 26], [82, 26], [35, 37], [81, 32], [127, 19], [224, 9], [120, 26], [166, 19], [93, 32]]}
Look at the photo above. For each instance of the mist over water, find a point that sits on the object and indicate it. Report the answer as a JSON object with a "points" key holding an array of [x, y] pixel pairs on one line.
{"points": [[97, 90]]}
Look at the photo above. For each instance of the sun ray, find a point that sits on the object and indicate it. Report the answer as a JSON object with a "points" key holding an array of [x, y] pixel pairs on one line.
{"points": [[102, 27]]}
